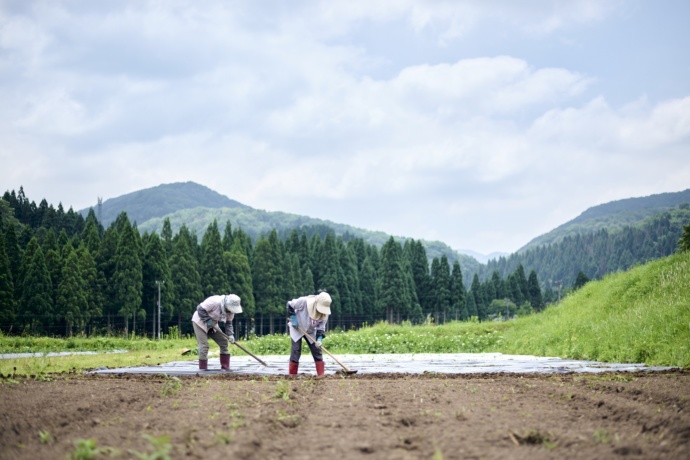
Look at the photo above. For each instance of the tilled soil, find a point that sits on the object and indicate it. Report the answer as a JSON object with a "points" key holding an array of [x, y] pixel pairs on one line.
{"points": [[373, 416]]}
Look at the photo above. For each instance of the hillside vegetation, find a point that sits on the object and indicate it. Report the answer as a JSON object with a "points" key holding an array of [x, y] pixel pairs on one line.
{"points": [[642, 315], [613, 216]]}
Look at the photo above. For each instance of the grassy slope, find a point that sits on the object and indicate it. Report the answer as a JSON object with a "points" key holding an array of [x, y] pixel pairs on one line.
{"points": [[642, 315]]}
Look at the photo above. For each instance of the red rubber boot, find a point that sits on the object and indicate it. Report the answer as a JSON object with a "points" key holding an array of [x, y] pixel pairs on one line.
{"points": [[203, 364], [225, 362], [292, 369], [320, 368]]}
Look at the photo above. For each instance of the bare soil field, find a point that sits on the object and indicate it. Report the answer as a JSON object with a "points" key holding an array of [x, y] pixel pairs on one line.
{"points": [[372, 416]]}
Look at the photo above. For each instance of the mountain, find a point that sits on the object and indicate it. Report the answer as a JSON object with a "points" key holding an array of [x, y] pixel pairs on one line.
{"points": [[197, 206], [613, 216], [147, 204]]}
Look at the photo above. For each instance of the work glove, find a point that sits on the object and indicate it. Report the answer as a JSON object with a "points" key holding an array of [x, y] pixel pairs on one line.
{"points": [[293, 320], [231, 338], [318, 341], [209, 323]]}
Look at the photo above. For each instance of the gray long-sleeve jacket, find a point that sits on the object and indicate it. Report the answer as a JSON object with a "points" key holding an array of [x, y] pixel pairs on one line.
{"points": [[313, 327], [212, 309]]}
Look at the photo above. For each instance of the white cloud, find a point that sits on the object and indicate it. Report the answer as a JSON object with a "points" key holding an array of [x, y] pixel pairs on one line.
{"points": [[284, 107]]}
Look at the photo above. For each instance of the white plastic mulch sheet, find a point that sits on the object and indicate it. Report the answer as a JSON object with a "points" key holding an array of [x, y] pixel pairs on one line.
{"points": [[462, 363]]}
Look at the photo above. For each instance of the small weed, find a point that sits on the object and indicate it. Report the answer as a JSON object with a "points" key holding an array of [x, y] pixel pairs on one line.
{"points": [[86, 450], [45, 436], [171, 386], [161, 449], [612, 378], [438, 455], [534, 437], [601, 437], [224, 438], [289, 421], [282, 390]]}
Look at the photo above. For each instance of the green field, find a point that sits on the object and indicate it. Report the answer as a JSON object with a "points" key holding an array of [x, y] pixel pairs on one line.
{"points": [[640, 316]]}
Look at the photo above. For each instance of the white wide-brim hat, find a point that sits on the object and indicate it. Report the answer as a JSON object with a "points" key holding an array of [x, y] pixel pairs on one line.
{"points": [[232, 303]]}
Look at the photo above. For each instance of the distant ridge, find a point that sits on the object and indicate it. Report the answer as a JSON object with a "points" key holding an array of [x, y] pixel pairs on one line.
{"points": [[613, 216], [196, 206], [159, 201]]}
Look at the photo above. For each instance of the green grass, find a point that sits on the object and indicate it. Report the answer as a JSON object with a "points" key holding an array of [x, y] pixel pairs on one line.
{"points": [[640, 316]]}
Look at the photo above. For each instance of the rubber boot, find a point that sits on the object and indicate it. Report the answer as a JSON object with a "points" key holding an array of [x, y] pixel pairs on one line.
{"points": [[292, 370], [225, 362], [203, 364], [320, 368]]}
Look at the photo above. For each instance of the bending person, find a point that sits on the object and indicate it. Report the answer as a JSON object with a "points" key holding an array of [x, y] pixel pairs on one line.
{"points": [[215, 309], [311, 314]]}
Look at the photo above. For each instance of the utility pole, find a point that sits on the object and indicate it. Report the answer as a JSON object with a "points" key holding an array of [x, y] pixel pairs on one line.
{"points": [[159, 307]]}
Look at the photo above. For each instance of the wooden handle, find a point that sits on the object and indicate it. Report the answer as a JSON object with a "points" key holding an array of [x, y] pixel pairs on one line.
{"points": [[322, 347]]}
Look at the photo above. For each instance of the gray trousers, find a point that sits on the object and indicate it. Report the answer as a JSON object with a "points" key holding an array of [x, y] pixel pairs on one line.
{"points": [[202, 341], [296, 350]]}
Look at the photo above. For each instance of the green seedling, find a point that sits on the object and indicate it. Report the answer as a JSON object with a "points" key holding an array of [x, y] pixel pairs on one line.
{"points": [[601, 437], [86, 450], [161, 449], [45, 436], [171, 386], [282, 390], [288, 421]]}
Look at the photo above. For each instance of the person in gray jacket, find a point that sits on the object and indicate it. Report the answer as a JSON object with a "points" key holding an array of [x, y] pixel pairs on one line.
{"points": [[215, 309], [311, 314]]}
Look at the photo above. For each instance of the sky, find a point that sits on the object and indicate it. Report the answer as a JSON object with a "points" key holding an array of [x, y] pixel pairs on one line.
{"points": [[481, 124]]}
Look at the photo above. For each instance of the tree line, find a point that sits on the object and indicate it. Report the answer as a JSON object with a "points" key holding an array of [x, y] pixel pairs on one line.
{"points": [[595, 254], [61, 274]]}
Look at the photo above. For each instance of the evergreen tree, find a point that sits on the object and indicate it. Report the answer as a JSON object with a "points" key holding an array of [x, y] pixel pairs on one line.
{"points": [[167, 237], [186, 281], [240, 279], [393, 298], [267, 278], [499, 285], [367, 284], [156, 280], [327, 269], [36, 303], [478, 298], [54, 264], [213, 271], [93, 285], [91, 236], [349, 287], [422, 278], [14, 252], [458, 294], [535, 298], [521, 279], [227, 237], [684, 240], [71, 303], [440, 276], [580, 280], [471, 305], [7, 302], [127, 279], [105, 261]]}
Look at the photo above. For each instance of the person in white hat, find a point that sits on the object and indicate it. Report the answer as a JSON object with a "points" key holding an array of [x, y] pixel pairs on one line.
{"points": [[215, 309], [310, 313]]}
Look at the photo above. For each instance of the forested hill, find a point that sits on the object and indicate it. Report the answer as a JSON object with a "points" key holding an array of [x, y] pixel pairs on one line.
{"points": [[147, 204], [613, 216], [197, 206]]}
